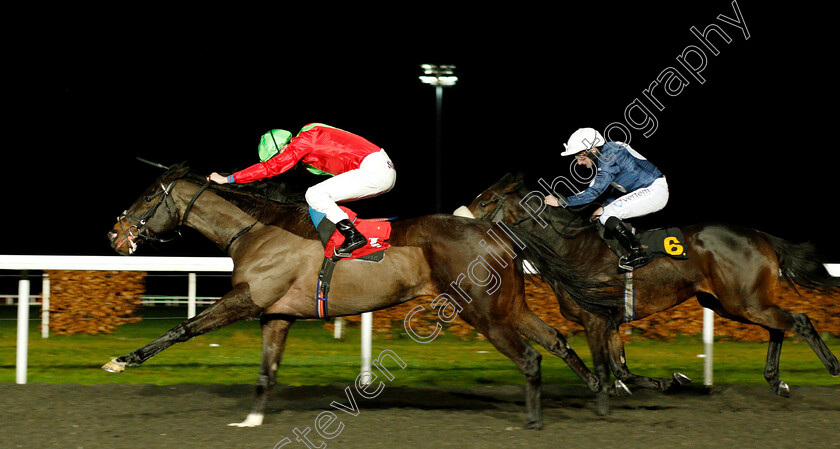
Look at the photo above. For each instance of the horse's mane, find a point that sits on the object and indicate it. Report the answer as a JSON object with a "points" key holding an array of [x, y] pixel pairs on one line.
{"points": [[572, 218], [268, 201], [277, 192]]}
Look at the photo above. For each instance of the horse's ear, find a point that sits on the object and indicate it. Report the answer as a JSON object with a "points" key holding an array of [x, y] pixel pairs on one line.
{"points": [[513, 181], [177, 170], [182, 168], [507, 178]]}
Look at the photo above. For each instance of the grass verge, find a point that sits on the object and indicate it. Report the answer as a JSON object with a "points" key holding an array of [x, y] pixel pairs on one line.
{"points": [[232, 356]]}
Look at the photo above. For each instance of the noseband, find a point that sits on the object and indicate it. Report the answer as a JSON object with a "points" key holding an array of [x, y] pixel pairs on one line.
{"points": [[139, 230]]}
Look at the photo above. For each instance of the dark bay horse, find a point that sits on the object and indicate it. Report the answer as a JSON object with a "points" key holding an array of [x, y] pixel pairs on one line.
{"points": [[277, 256], [732, 270]]}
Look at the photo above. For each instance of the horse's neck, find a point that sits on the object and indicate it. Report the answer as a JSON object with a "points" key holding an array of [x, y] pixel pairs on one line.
{"points": [[292, 217], [574, 229], [211, 215]]}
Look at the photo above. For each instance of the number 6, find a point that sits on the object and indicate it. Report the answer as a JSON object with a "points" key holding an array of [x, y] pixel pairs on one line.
{"points": [[673, 246]]}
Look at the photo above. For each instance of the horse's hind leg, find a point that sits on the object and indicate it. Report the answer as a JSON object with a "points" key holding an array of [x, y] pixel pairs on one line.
{"points": [[618, 362], [778, 320], [234, 306], [274, 332], [771, 367], [803, 327]]}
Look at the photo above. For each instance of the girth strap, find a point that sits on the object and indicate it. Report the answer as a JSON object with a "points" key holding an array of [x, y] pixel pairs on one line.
{"points": [[629, 297], [322, 288]]}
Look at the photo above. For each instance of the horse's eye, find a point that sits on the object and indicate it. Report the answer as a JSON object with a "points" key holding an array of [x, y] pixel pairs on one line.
{"points": [[148, 199], [483, 204]]}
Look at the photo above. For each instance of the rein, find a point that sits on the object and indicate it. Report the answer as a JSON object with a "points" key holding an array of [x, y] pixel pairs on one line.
{"points": [[139, 230], [247, 228], [501, 201], [141, 221]]}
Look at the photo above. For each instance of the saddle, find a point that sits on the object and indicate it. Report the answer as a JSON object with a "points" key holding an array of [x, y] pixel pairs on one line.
{"points": [[376, 230], [656, 243]]}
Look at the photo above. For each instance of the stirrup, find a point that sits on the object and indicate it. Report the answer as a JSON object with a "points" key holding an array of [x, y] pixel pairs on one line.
{"points": [[627, 264], [622, 263], [343, 251]]}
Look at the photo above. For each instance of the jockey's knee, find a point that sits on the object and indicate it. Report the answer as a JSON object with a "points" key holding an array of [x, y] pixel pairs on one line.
{"points": [[315, 194], [321, 200]]}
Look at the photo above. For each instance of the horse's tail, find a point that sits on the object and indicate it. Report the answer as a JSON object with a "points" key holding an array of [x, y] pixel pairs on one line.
{"points": [[801, 264], [592, 295]]}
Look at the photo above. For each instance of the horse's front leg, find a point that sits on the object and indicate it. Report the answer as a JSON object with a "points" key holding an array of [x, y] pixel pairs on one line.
{"points": [[275, 329], [234, 306], [618, 363], [596, 334]]}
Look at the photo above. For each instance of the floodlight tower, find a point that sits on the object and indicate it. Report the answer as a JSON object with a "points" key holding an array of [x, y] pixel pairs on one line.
{"points": [[439, 76]]}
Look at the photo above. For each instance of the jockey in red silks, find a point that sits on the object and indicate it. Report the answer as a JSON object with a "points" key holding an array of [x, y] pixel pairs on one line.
{"points": [[358, 169]]}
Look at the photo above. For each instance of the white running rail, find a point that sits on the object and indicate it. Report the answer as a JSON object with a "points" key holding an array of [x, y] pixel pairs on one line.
{"points": [[192, 265]]}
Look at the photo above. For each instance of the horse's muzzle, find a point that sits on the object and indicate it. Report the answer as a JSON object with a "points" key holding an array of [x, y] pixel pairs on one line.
{"points": [[124, 244]]}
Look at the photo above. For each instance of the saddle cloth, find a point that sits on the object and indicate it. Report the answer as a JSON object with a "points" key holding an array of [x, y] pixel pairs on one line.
{"points": [[656, 243], [376, 230]]}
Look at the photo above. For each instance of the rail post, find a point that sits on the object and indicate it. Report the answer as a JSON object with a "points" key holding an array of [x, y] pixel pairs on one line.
{"points": [[367, 334], [45, 306], [191, 296], [708, 343], [22, 328]]}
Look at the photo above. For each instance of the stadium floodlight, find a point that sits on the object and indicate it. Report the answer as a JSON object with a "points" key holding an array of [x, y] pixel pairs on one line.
{"points": [[439, 76]]}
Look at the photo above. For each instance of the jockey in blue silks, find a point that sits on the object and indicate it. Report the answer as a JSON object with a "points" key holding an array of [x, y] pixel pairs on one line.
{"points": [[643, 187]]}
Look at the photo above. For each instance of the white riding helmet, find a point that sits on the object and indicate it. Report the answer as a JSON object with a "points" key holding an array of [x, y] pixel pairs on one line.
{"points": [[581, 140]]}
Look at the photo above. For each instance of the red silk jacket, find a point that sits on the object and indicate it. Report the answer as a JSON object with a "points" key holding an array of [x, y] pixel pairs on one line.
{"points": [[330, 150]]}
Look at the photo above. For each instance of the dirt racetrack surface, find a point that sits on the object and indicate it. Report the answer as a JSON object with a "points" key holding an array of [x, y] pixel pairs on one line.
{"points": [[196, 416]]}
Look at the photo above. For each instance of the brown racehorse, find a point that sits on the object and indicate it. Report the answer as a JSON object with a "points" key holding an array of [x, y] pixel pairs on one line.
{"points": [[731, 270], [277, 256]]}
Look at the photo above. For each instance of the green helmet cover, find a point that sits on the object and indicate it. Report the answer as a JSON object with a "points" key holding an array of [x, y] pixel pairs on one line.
{"points": [[272, 142]]}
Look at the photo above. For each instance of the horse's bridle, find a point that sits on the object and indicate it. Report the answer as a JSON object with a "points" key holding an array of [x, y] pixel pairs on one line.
{"points": [[500, 200], [139, 230]]}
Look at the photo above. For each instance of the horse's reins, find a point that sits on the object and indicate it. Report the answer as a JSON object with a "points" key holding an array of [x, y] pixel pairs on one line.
{"points": [[139, 231], [141, 221], [501, 200], [251, 226]]}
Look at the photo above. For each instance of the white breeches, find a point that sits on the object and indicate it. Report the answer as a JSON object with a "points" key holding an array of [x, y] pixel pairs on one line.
{"points": [[376, 175], [638, 202]]}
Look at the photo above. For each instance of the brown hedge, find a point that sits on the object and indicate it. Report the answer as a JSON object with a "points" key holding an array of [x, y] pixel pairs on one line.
{"points": [[686, 318], [92, 302]]}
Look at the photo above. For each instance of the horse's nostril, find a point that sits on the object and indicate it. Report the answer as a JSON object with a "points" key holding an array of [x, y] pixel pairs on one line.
{"points": [[112, 235]]}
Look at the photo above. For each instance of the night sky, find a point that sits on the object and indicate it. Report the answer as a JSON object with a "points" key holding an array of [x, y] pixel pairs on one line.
{"points": [[750, 145]]}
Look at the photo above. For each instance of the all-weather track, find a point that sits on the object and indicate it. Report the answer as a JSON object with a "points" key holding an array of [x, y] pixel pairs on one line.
{"points": [[196, 416]]}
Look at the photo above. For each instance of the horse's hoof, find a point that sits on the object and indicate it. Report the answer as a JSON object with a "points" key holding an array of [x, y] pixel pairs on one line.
{"points": [[621, 389], [533, 425], [253, 420], [682, 379], [602, 404], [783, 389], [114, 366]]}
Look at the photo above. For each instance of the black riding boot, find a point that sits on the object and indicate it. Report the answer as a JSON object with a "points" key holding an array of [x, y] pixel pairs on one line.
{"points": [[635, 257], [353, 239]]}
